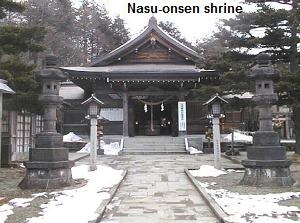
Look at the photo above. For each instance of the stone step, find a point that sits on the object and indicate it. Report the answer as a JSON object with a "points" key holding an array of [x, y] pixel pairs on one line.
{"points": [[150, 145], [154, 142], [154, 145], [155, 148], [143, 152]]}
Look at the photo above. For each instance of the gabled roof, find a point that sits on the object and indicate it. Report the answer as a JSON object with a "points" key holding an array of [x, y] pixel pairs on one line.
{"points": [[92, 98], [216, 98], [132, 44]]}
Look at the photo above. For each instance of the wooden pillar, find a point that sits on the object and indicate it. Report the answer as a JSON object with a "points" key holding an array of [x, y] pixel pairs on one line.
{"points": [[131, 123], [174, 119], [125, 114]]}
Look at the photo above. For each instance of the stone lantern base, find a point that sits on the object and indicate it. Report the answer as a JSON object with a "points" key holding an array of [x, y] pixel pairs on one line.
{"points": [[47, 175], [268, 173], [266, 164], [48, 166]]}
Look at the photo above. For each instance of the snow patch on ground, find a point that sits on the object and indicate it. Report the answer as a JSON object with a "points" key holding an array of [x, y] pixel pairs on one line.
{"points": [[79, 205], [109, 149], [193, 150], [239, 137], [5, 210], [207, 171], [75, 205], [85, 149], [255, 208], [72, 137], [21, 202]]}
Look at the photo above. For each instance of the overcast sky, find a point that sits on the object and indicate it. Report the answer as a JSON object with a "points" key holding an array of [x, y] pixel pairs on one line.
{"points": [[192, 26]]}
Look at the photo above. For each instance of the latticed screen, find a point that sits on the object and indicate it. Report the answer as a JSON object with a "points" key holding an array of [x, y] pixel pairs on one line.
{"points": [[20, 128], [27, 133], [39, 123], [23, 132]]}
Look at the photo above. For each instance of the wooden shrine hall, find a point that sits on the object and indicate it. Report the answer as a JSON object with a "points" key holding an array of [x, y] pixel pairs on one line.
{"points": [[145, 86]]}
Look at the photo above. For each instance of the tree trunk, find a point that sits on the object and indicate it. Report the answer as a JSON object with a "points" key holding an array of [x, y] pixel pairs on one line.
{"points": [[296, 119], [294, 61]]}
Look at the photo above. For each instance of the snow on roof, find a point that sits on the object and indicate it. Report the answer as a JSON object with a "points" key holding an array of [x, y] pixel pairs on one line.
{"points": [[245, 95], [70, 91]]}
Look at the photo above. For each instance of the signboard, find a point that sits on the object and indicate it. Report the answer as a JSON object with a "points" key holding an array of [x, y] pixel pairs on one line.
{"points": [[182, 116]]}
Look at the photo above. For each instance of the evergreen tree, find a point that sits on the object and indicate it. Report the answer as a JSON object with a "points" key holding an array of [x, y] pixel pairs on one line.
{"points": [[271, 30], [16, 41], [173, 31]]}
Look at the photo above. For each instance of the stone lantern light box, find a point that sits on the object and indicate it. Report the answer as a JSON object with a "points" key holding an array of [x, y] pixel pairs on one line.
{"points": [[93, 113], [214, 105], [93, 105]]}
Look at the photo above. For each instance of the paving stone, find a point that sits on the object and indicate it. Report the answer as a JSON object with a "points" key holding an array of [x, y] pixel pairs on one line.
{"points": [[157, 190]]}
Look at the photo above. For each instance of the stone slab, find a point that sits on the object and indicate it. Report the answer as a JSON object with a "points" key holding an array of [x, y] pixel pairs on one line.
{"points": [[221, 215]]}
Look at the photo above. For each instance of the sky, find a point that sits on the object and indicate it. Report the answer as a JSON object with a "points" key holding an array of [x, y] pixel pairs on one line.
{"points": [[192, 26]]}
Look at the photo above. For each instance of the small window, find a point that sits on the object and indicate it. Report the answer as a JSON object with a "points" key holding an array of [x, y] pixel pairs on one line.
{"points": [[48, 86], [55, 87], [267, 85], [259, 85]]}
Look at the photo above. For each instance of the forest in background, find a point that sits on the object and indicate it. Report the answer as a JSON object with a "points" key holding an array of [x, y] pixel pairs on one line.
{"points": [[34, 28]]}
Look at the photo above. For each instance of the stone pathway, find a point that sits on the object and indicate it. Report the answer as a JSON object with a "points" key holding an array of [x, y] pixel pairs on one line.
{"points": [[157, 190]]}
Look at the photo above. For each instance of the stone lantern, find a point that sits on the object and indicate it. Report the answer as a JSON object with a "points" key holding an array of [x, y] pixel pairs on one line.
{"points": [[48, 165], [266, 163], [214, 105], [93, 113]]}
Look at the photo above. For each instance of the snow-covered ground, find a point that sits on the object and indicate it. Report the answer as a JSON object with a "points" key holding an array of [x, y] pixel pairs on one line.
{"points": [[74, 205], [207, 171], [112, 148], [250, 208], [72, 137], [239, 137]]}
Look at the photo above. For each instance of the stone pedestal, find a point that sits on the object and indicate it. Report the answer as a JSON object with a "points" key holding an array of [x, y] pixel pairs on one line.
{"points": [[267, 164]]}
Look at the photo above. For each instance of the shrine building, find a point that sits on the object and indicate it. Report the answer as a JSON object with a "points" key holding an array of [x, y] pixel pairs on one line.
{"points": [[145, 85]]}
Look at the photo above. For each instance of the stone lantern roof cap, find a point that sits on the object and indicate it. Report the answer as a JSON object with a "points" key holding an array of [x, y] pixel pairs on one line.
{"points": [[53, 74], [92, 99], [51, 71], [263, 68], [216, 98], [4, 88]]}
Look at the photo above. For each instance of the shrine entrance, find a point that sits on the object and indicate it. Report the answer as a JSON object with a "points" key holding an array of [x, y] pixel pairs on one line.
{"points": [[152, 119]]}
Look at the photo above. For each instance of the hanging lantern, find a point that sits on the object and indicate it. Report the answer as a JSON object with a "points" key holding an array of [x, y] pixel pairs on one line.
{"points": [[162, 108], [145, 108]]}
